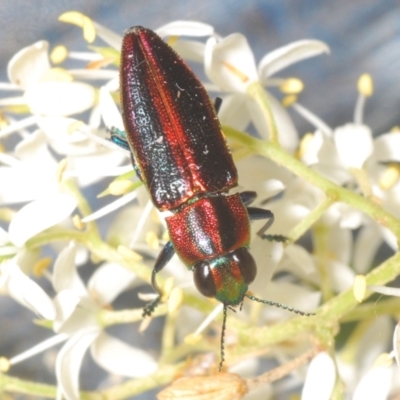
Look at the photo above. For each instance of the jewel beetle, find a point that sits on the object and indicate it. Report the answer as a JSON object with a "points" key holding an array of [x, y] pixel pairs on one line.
{"points": [[181, 155]]}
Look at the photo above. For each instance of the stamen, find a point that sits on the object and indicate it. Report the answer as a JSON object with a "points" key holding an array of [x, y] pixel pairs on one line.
{"points": [[175, 299], [46, 344], [59, 54], [61, 167], [57, 74], [41, 265], [312, 118], [4, 364], [292, 86], [243, 77], [18, 125], [390, 176], [359, 287], [119, 187], [365, 85], [77, 222], [304, 145], [365, 88], [172, 40], [152, 240], [289, 100], [210, 317], [81, 20], [111, 207], [140, 224]]}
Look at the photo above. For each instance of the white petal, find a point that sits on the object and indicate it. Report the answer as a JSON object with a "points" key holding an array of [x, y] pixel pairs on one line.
{"points": [[119, 358], [26, 182], [19, 125], [39, 215], [234, 112], [231, 52], [341, 276], [320, 380], [65, 303], [374, 342], [292, 53], [185, 28], [366, 245], [396, 344], [387, 147], [310, 154], [267, 256], [93, 167], [24, 290], [313, 119], [121, 201], [354, 144], [58, 129], [340, 244], [389, 237], [69, 360], [29, 64], [300, 258], [190, 50], [386, 290], [109, 36], [109, 110], [34, 149], [108, 282], [59, 98], [351, 219], [75, 313], [375, 384], [287, 133], [65, 275]]}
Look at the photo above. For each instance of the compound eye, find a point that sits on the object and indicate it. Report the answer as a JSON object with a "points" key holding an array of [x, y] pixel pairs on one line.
{"points": [[203, 279], [246, 264]]}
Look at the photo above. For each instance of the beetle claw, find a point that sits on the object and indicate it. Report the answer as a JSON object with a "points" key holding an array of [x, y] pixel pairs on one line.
{"points": [[149, 308]]}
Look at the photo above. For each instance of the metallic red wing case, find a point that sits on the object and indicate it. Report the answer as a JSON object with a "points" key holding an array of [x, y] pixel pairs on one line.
{"points": [[171, 124], [209, 228]]}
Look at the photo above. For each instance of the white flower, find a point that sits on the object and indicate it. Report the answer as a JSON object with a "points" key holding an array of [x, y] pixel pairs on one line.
{"points": [[14, 283], [230, 65], [47, 92], [320, 379], [77, 307]]}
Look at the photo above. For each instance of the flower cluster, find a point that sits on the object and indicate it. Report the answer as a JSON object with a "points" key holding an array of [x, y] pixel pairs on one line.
{"points": [[338, 187]]}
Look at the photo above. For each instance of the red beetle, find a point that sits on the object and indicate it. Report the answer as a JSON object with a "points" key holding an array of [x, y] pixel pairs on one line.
{"points": [[180, 153]]}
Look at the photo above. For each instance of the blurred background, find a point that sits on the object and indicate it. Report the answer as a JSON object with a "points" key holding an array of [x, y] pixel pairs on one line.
{"points": [[364, 36]]}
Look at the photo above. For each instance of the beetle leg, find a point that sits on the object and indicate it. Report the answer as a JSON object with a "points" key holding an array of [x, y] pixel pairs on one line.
{"points": [[217, 104], [162, 260], [119, 138], [259, 213], [248, 197]]}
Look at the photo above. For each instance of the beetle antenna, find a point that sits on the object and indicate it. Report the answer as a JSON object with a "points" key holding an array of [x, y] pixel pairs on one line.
{"points": [[279, 305], [223, 339]]}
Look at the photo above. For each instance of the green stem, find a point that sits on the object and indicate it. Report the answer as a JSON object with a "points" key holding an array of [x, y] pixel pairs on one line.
{"points": [[390, 306], [305, 224], [328, 316], [258, 93], [16, 385], [332, 191], [321, 252]]}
